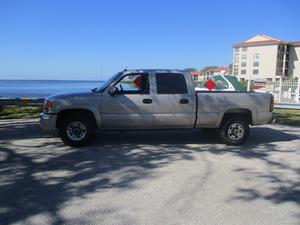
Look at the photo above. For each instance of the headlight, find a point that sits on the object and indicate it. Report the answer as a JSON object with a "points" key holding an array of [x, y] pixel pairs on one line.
{"points": [[47, 106]]}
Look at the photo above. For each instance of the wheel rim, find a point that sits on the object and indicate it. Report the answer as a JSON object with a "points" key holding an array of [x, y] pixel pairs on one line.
{"points": [[76, 131], [236, 131]]}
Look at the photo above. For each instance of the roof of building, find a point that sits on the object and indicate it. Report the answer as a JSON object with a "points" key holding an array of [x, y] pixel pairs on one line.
{"points": [[195, 73], [295, 43], [219, 69], [261, 39]]}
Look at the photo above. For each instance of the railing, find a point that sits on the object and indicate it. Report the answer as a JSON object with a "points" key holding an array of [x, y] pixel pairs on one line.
{"points": [[285, 91], [21, 102]]}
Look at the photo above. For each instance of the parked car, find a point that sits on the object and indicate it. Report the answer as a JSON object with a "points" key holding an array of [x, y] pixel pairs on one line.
{"points": [[154, 99]]}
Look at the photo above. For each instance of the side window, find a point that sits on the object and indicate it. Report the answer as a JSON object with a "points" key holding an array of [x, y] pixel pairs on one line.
{"points": [[171, 83], [137, 83]]}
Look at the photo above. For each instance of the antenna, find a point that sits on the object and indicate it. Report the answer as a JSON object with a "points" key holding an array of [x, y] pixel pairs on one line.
{"points": [[101, 72]]}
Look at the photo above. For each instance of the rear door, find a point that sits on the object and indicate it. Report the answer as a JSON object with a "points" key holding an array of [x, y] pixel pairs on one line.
{"points": [[173, 105]]}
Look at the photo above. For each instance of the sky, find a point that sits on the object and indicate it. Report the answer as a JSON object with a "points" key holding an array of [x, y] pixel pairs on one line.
{"points": [[91, 40]]}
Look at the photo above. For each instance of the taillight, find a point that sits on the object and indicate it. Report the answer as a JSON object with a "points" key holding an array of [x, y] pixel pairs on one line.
{"points": [[271, 104], [48, 106]]}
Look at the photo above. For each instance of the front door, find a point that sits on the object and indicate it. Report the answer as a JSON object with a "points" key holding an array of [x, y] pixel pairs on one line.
{"points": [[131, 106]]}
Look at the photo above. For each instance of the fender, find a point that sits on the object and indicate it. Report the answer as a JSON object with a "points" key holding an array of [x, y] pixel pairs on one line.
{"points": [[233, 108]]}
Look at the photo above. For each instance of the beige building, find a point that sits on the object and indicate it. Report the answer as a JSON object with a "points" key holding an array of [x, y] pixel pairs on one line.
{"points": [[214, 72], [265, 58], [204, 75]]}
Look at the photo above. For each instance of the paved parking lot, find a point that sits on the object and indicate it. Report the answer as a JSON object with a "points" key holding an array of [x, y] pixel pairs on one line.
{"points": [[149, 178]]}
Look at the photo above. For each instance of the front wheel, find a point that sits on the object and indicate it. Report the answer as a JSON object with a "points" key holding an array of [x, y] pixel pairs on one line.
{"points": [[76, 130], [234, 131]]}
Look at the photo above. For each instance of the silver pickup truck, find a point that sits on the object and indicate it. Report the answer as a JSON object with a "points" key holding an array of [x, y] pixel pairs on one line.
{"points": [[154, 99]]}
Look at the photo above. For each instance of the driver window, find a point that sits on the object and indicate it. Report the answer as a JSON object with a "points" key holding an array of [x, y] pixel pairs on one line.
{"points": [[137, 83]]}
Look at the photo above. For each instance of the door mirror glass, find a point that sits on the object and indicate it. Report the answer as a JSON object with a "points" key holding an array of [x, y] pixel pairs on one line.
{"points": [[113, 90]]}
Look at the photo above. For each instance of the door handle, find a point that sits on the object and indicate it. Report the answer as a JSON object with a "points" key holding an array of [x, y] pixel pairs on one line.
{"points": [[147, 101], [184, 101]]}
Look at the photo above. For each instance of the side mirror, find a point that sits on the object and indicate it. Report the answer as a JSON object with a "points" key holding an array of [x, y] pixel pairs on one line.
{"points": [[113, 91]]}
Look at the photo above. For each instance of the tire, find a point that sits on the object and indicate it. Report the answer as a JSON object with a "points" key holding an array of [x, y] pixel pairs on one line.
{"points": [[76, 130], [234, 131]]}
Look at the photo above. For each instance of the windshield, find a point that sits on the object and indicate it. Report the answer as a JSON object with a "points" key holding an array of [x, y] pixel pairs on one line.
{"points": [[106, 83]]}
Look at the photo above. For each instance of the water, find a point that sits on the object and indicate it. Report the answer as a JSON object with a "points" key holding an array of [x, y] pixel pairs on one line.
{"points": [[42, 88]]}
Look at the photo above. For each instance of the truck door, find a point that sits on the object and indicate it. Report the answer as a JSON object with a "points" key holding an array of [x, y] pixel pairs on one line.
{"points": [[132, 104], [173, 105]]}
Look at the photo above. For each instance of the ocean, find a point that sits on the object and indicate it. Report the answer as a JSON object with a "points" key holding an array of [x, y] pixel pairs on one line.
{"points": [[42, 88]]}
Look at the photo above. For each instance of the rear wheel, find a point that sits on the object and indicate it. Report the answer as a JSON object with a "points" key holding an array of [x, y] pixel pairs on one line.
{"points": [[76, 130], [234, 131]]}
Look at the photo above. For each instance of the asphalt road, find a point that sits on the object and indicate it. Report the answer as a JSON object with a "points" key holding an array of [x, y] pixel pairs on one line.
{"points": [[149, 178]]}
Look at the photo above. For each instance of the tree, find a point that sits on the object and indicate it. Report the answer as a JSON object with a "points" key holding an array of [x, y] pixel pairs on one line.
{"points": [[190, 69], [208, 68]]}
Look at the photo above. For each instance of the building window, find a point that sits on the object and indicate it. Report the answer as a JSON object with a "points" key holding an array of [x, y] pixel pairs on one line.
{"points": [[244, 57], [255, 56], [236, 57], [255, 72], [244, 64], [236, 71], [255, 64], [243, 72], [244, 49], [236, 49]]}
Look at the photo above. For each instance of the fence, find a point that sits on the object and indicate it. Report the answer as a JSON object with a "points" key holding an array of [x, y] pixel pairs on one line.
{"points": [[285, 91], [21, 102]]}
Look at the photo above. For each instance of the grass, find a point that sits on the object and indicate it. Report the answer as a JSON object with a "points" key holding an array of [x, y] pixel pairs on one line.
{"points": [[282, 116], [287, 116], [19, 112]]}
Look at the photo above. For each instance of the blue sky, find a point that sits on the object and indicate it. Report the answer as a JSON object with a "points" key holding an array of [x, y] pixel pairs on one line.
{"points": [[62, 39]]}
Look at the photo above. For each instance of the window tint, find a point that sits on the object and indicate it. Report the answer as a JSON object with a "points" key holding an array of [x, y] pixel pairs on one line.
{"points": [[171, 83], [134, 84]]}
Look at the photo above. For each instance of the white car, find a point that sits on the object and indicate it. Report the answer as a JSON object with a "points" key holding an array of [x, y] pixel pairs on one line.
{"points": [[222, 83]]}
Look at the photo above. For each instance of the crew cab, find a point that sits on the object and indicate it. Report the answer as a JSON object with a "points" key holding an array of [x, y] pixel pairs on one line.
{"points": [[154, 100]]}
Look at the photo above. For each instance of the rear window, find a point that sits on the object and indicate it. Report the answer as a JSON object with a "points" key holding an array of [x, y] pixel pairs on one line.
{"points": [[171, 83]]}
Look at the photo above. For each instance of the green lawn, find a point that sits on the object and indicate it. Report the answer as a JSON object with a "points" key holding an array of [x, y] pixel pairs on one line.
{"points": [[18, 112], [287, 116]]}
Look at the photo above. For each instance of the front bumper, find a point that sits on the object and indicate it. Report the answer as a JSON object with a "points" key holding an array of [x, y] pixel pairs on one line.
{"points": [[48, 121]]}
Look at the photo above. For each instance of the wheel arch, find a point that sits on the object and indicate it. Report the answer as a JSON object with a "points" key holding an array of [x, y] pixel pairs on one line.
{"points": [[243, 113], [71, 111]]}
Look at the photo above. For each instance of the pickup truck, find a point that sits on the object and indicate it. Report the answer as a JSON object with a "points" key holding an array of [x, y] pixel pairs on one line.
{"points": [[154, 100]]}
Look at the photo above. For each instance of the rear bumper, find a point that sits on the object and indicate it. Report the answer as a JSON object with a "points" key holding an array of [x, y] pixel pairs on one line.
{"points": [[48, 121], [264, 118]]}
